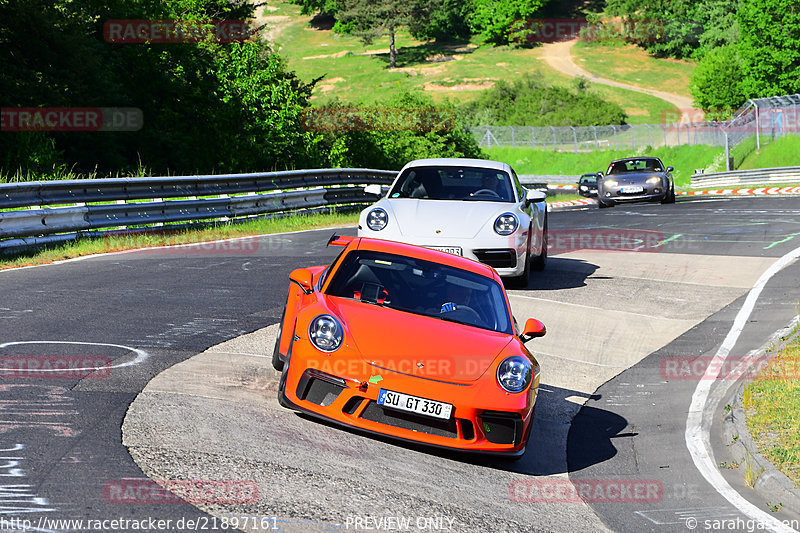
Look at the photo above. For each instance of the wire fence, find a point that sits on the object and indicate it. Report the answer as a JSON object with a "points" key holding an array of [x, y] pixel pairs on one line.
{"points": [[758, 121]]}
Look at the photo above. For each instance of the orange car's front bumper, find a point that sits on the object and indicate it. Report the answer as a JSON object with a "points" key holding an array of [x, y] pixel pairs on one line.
{"points": [[344, 389]]}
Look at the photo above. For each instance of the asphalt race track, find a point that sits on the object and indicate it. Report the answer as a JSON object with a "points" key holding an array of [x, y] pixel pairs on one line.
{"points": [[627, 291]]}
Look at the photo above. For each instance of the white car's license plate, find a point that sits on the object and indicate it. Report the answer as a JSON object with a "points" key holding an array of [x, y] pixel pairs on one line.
{"points": [[455, 250], [414, 404], [631, 189]]}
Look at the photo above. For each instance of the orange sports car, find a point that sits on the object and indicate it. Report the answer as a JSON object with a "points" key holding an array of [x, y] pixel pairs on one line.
{"points": [[410, 343]]}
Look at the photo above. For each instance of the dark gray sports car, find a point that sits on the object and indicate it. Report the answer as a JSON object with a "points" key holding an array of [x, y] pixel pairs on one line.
{"points": [[636, 179]]}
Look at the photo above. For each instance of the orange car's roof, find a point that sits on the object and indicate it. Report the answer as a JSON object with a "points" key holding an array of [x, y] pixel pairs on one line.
{"points": [[418, 252]]}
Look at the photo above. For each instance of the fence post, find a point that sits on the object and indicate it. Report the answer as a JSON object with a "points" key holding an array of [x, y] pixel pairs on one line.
{"points": [[633, 136], [574, 138], [596, 144], [649, 135], [727, 152], [552, 129], [513, 141], [533, 137], [758, 127], [664, 127], [615, 137]]}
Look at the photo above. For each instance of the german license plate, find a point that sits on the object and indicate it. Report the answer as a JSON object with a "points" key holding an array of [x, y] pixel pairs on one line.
{"points": [[414, 404], [631, 189], [455, 250]]}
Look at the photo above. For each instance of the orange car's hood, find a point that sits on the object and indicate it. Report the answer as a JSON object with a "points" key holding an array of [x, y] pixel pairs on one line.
{"points": [[417, 345]]}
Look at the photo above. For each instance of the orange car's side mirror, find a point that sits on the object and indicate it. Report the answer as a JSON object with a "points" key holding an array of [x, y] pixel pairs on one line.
{"points": [[533, 328], [302, 276]]}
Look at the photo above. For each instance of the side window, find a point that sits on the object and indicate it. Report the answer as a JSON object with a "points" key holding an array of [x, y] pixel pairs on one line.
{"points": [[517, 186]]}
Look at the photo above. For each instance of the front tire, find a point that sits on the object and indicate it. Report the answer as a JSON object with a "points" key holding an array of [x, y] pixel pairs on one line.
{"points": [[540, 261], [277, 362], [669, 198]]}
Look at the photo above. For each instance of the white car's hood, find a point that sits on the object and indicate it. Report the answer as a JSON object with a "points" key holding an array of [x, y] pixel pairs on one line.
{"points": [[417, 218]]}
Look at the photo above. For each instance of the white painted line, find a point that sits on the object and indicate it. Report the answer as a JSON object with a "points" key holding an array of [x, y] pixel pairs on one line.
{"points": [[538, 352], [141, 355], [241, 353], [698, 427]]}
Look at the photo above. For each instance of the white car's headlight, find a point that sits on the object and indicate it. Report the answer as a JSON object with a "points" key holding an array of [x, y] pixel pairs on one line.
{"points": [[377, 219], [506, 224], [326, 333], [514, 374]]}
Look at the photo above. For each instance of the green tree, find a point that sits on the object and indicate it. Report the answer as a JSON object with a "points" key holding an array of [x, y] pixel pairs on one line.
{"points": [[769, 47], [715, 83], [371, 20], [503, 22]]}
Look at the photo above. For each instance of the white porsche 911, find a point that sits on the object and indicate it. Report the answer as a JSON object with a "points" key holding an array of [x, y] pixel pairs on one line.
{"points": [[470, 207]]}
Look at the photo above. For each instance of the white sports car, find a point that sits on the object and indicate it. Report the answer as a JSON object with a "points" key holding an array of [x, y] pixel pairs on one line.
{"points": [[469, 207]]}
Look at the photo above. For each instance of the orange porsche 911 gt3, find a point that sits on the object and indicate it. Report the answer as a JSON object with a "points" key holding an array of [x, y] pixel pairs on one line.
{"points": [[410, 343]]}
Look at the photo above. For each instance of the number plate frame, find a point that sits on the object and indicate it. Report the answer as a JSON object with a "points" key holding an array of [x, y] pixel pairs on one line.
{"points": [[414, 404], [455, 250]]}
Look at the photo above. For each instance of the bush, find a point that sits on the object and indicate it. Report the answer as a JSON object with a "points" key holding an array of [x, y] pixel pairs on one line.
{"points": [[527, 102]]}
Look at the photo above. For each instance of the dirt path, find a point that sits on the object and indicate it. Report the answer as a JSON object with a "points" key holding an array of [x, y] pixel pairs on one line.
{"points": [[559, 56]]}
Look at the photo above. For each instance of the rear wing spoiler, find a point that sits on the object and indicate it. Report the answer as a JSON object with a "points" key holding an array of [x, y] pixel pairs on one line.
{"points": [[339, 240]]}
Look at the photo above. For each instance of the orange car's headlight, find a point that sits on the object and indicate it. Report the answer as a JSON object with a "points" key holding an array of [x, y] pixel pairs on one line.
{"points": [[514, 374], [326, 333]]}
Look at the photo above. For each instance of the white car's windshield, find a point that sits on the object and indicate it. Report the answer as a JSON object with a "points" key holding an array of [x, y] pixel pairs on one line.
{"points": [[454, 183], [421, 287]]}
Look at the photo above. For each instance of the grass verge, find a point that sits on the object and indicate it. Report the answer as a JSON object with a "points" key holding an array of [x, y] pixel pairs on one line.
{"points": [[212, 232], [685, 159], [781, 152], [772, 407]]}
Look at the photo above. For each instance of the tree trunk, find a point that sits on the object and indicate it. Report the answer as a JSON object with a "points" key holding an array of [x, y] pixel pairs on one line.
{"points": [[392, 49]]}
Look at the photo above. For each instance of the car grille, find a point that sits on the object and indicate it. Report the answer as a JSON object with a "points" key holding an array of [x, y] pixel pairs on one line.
{"points": [[399, 419], [497, 258]]}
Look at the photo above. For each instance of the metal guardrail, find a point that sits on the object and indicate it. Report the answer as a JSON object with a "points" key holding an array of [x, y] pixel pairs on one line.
{"points": [[739, 178], [92, 204]]}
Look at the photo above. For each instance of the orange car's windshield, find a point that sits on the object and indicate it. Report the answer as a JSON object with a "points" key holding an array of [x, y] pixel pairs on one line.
{"points": [[422, 287]]}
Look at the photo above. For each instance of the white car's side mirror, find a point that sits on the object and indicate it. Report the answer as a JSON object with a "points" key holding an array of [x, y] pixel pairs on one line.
{"points": [[534, 196], [373, 189]]}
